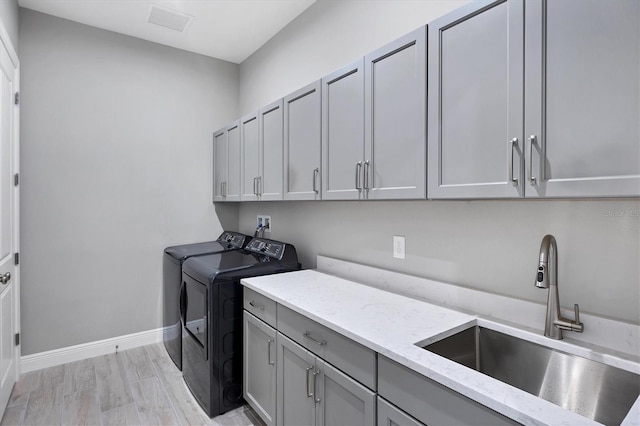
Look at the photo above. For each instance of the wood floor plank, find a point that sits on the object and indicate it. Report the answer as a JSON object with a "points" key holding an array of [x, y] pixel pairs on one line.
{"points": [[137, 364], [111, 382], [44, 406], [14, 415], [79, 375], [126, 415], [52, 376], [187, 409], [153, 403], [27, 382], [81, 408]]}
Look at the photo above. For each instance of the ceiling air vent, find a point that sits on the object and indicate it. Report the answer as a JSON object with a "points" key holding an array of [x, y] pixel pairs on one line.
{"points": [[177, 21]]}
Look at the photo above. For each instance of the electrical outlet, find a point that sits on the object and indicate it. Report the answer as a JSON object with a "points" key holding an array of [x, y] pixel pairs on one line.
{"points": [[398, 247], [264, 221]]}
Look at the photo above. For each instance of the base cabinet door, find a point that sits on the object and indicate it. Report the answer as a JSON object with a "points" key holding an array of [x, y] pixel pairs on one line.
{"points": [[340, 400], [259, 367], [294, 395], [390, 415], [312, 392]]}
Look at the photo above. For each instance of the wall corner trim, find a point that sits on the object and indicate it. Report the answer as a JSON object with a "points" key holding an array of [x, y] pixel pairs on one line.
{"points": [[89, 350]]}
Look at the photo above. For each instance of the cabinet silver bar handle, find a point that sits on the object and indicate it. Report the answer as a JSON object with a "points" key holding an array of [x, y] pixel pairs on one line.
{"points": [[255, 191], [315, 375], [532, 140], [513, 144], [269, 342], [309, 393], [365, 173], [255, 305], [358, 168], [307, 334], [316, 171], [4, 279]]}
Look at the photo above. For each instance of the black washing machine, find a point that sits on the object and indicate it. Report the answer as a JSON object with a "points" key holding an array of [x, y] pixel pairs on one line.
{"points": [[172, 280], [212, 318]]}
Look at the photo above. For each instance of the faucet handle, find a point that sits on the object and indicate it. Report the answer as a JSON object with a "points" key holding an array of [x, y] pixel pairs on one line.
{"points": [[576, 325], [576, 309]]}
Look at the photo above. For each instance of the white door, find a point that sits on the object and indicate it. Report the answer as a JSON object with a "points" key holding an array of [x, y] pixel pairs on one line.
{"points": [[9, 208]]}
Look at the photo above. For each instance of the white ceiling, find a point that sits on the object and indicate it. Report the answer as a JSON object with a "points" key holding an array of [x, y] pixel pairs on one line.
{"points": [[226, 29]]}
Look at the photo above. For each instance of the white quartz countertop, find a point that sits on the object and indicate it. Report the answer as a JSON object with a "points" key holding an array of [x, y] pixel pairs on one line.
{"points": [[397, 326]]}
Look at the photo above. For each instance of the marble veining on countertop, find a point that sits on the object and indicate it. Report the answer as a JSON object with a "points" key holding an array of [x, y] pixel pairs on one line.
{"points": [[392, 325]]}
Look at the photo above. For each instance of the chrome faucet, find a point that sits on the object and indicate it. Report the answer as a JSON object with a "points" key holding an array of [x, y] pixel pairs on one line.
{"points": [[547, 277]]}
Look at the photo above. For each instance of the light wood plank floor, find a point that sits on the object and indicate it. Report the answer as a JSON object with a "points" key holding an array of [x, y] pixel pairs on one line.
{"points": [[139, 386]]}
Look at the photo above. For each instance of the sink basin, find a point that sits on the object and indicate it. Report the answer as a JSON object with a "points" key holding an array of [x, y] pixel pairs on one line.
{"points": [[594, 390]]}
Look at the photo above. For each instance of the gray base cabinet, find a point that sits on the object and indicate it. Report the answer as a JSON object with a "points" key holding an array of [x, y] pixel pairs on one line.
{"points": [[430, 402], [259, 367], [390, 415], [311, 391]]}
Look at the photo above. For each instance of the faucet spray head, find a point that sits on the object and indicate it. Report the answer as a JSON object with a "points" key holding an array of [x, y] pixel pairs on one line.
{"points": [[547, 249], [542, 277]]}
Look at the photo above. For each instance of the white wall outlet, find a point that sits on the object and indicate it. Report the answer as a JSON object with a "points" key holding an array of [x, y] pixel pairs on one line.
{"points": [[398, 247], [264, 221]]}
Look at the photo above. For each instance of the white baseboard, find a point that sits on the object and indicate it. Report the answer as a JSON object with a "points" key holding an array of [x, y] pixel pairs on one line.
{"points": [[88, 350]]}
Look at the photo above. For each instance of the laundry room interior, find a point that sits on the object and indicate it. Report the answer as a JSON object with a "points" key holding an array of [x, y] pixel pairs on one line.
{"points": [[117, 162]]}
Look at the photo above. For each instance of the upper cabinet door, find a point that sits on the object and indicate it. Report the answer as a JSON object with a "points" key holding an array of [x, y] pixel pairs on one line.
{"points": [[395, 119], [232, 187], [271, 143], [302, 144], [582, 98], [250, 150], [220, 162], [343, 133], [476, 101]]}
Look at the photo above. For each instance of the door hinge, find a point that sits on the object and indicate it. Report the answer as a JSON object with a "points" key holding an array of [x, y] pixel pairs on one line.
{"points": [[16, 258], [17, 339], [16, 179], [16, 98]]}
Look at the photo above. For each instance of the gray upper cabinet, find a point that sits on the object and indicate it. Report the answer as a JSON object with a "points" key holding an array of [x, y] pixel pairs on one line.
{"points": [[343, 133], [262, 139], [250, 143], [566, 125], [582, 98], [395, 154], [302, 144], [220, 162], [226, 158], [271, 146], [476, 101]]}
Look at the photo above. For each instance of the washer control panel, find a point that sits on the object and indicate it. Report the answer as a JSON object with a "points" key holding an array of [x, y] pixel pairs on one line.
{"points": [[266, 247], [232, 239]]}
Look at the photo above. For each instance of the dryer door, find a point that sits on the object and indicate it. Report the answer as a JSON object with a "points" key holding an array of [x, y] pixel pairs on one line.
{"points": [[196, 315]]}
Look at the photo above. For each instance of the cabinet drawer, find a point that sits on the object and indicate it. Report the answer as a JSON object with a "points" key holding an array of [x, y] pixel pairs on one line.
{"points": [[390, 415], [260, 306], [430, 402], [347, 355]]}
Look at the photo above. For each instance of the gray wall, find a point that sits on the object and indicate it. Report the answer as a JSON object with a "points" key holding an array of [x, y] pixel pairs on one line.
{"points": [[489, 245], [9, 16], [116, 165], [327, 36]]}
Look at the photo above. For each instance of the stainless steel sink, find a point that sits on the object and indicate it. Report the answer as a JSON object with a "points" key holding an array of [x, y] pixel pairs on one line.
{"points": [[592, 389]]}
